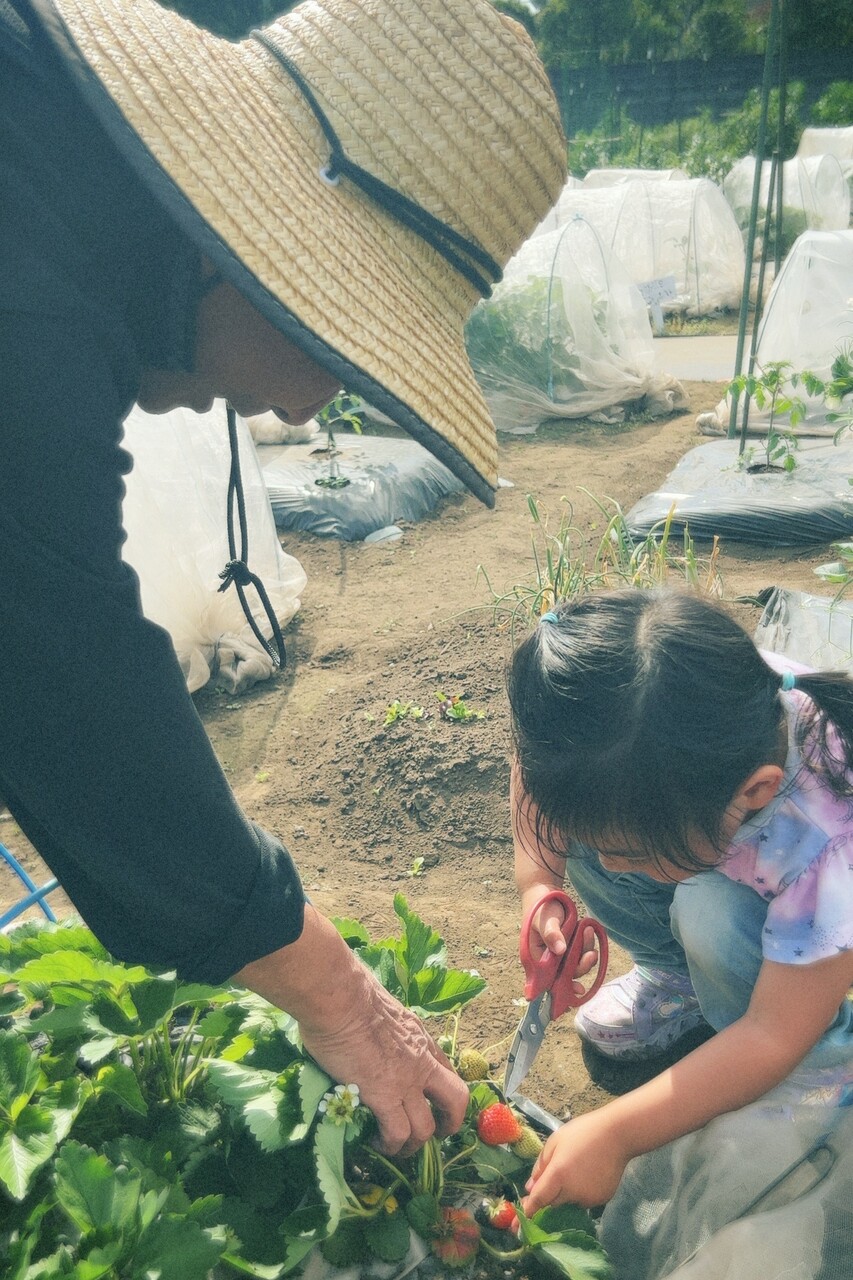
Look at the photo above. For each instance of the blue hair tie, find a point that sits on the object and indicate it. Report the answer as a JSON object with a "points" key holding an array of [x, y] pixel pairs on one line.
{"points": [[789, 681], [550, 616]]}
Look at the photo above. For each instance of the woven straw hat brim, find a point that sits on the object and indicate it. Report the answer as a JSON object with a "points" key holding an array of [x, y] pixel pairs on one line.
{"points": [[228, 142]]}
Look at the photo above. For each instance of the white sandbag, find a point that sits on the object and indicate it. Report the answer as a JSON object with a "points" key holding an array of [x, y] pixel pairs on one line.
{"points": [[175, 515]]}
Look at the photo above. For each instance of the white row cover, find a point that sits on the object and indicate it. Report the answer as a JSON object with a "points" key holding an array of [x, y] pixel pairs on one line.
{"points": [[827, 142], [175, 517], [807, 321], [815, 194], [565, 334], [612, 177], [681, 227], [830, 142]]}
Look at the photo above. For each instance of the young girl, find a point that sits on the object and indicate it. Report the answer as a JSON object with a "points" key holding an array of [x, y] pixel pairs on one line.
{"points": [[655, 743]]}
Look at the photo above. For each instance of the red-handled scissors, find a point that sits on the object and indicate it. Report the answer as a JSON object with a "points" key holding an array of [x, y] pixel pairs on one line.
{"points": [[549, 985]]}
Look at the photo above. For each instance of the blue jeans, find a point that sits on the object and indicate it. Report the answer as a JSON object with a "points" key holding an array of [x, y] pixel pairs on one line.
{"points": [[708, 927]]}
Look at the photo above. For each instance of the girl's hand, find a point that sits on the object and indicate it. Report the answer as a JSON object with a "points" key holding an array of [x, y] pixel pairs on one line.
{"points": [[582, 1163], [546, 935], [545, 927]]}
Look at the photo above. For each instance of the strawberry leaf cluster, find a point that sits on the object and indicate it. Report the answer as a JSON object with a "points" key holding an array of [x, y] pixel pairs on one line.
{"points": [[154, 1127]]}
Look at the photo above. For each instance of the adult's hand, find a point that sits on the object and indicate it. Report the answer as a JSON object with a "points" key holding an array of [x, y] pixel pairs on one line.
{"points": [[361, 1035]]}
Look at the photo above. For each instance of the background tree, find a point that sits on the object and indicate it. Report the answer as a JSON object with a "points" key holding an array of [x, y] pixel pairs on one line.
{"points": [[575, 33]]}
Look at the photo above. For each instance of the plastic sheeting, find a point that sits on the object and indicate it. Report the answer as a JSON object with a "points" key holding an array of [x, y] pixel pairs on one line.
{"points": [[807, 320], [814, 630], [712, 495], [175, 516], [815, 195], [565, 334], [681, 228], [389, 479], [684, 1212]]}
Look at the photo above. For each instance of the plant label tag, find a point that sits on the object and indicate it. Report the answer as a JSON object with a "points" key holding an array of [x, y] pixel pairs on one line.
{"points": [[653, 293]]}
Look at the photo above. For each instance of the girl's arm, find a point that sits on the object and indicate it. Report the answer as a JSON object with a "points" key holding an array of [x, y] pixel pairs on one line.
{"points": [[536, 871], [791, 1008]]}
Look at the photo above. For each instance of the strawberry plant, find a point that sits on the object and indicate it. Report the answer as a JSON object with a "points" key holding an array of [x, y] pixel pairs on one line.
{"points": [[151, 1127]]}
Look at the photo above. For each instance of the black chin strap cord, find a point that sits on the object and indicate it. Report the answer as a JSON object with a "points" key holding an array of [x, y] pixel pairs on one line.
{"points": [[237, 570]]}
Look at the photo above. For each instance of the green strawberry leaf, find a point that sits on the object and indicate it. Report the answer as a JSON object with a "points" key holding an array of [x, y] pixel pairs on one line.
{"points": [[532, 1234], [95, 1194], [24, 1148], [348, 1247], [422, 947], [176, 1249], [123, 1083], [76, 968], [154, 1002], [565, 1217], [439, 990], [580, 1258], [313, 1084], [329, 1162], [353, 932], [261, 1114], [389, 1236], [424, 1213], [496, 1164], [236, 1084], [19, 1074]]}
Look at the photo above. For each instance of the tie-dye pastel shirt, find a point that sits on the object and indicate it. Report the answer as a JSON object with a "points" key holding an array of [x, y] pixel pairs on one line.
{"points": [[797, 853]]}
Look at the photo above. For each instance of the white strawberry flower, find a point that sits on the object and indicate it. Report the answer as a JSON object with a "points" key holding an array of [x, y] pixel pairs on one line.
{"points": [[340, 1103]]}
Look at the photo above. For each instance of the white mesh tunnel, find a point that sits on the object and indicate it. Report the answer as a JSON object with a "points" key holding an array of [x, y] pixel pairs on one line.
{"points": [[680, 227], [807, 322], [830, 142], [565, 334], [612, 177], [175, 514], [815, 195]]}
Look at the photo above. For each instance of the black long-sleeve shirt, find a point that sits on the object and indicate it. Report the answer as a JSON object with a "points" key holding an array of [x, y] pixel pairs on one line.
{"points": [[103, 760]]}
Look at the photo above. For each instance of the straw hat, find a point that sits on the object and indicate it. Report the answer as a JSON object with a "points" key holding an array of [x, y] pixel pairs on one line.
{"points": [[268, 153]]}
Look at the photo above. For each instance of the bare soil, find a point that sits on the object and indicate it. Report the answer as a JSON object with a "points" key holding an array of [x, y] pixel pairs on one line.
{"points": [[358, 801]]}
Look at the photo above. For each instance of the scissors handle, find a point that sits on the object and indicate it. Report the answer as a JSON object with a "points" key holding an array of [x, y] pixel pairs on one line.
{"points": [[556, 973]]}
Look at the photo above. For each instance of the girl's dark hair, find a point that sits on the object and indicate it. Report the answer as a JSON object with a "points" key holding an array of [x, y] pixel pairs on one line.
{"points": [[638, 714]]}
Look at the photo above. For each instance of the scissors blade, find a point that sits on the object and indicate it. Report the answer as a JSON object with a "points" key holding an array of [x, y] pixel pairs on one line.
{"points": [[527, 1042]]}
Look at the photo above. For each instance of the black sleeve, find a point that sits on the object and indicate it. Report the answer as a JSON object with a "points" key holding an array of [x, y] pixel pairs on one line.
{"points": [[103, 759]]}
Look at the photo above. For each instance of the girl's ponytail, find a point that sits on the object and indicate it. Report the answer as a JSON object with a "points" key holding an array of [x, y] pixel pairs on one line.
{"points": [[825, 729]]}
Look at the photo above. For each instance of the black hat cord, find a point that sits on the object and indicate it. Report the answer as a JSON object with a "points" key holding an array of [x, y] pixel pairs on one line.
{"points": [[237, 570]]}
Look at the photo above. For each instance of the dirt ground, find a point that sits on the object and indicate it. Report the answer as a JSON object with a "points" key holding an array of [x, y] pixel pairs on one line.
{"points": [[358, 802]]}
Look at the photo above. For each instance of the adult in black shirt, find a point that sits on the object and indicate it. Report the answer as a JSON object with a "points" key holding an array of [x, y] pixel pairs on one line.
{"points": [[109, 294]]}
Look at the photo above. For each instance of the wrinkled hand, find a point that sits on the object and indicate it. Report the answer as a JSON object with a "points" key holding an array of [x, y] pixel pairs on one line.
{"points": [[398, 1067], [582, 1163], [361, 1035], [546, 935]]}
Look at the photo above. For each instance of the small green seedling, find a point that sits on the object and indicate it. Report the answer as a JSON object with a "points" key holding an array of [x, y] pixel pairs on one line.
{"points": [[768, 391], [403, 711], [455, 708], [417, 867]]}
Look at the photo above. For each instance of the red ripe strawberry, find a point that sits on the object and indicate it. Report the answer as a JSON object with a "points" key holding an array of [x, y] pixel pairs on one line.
{"points": [[457, 1238], [501, 1214], [498, 1123]]}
